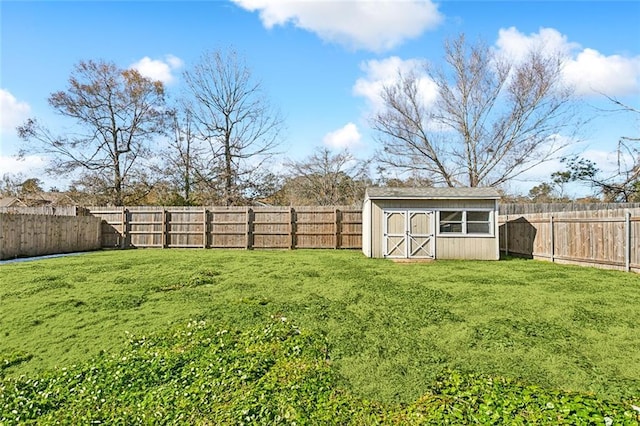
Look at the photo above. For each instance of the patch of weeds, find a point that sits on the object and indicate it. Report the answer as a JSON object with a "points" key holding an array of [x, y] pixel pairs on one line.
{"points": [[310, 273], [123, 301], [123, 280], [255, 300], [592, 319], [46, 278], [204, 277], [76, 303], [438, 314], [49, 283], [273, 373], [12, 359], [507, 333], [59, 306]]}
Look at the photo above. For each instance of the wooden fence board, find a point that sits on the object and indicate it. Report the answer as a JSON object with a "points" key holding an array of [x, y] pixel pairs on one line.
{"points": [[589, 237], [231, 227], [23, 235]]}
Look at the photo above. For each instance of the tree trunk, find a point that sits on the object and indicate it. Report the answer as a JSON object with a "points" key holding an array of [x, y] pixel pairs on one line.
{"points": [[117, 182], [228, 183]]}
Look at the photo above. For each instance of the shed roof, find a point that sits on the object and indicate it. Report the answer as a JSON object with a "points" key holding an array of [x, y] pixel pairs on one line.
{"points": [[431, 193]]}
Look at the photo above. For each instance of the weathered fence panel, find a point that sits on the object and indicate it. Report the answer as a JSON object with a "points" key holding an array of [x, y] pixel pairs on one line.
{"points": [[24, 235], [606, 238], [231, 227], [350, 229], [114, 224], [523, 209], [47, 210]]}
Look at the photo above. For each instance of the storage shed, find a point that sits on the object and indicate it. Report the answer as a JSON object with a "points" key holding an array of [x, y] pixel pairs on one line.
{"points": [[431, 223]]}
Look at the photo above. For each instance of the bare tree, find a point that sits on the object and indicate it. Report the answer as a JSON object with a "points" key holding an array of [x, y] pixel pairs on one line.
{"points": [[117, 112], [493, 118], [240, 128], [180, 159], [327, 179]]}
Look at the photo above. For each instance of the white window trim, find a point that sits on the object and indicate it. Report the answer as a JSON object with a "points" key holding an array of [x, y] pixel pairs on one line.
{"points": [[464, 234]]}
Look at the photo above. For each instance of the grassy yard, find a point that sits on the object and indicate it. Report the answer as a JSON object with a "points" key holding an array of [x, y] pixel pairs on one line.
{"points": [[391, 329]]}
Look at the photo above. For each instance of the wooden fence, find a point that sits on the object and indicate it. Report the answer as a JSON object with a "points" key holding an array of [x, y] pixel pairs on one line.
{"points": [[231, 227], [512, 209], [47, 210], [608, 238], [24, 235]]}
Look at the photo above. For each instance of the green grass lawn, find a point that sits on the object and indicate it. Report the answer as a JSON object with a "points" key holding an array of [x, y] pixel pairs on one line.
{"points": [[391, 329]]}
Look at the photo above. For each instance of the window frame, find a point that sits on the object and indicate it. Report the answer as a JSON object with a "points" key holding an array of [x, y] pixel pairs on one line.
{"points": [[465, 222]]}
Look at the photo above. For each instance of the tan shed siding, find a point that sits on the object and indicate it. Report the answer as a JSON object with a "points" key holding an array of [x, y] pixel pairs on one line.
{"points": [[446, 247], [472, 248], [366, 228], [496, 229]]}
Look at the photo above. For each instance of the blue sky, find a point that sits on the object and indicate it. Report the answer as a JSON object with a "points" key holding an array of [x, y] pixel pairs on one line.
{"points": [[321, 62]]}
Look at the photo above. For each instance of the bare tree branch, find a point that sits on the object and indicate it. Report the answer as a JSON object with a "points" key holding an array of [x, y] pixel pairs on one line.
{"points": [[233, 117], [493, 119], [117, 112]]}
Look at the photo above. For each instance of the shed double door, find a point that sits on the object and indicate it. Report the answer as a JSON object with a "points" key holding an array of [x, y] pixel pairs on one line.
{"points": [[408, 234]]}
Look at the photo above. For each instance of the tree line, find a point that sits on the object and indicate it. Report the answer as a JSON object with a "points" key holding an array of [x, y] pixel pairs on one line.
{"points": [[486, 120]]}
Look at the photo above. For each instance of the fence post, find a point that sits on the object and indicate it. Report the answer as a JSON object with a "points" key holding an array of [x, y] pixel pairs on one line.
{"points": [[205, 223], [552, 242], [248, 220], [125, 226], [336, 215], [627, 247], [506, 235], [292, 228], [164, 237]]}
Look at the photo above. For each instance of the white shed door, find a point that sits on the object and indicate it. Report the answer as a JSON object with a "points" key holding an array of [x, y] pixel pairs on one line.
{"points": [[408, 234]]}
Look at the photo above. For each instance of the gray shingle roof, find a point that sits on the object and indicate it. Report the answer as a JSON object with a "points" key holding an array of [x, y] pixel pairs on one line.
{"points": [[425, 193]]}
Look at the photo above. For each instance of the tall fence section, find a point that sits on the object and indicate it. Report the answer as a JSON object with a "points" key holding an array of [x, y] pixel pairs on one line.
{"points": [[231, 227], [607, 238], [26, 235]]}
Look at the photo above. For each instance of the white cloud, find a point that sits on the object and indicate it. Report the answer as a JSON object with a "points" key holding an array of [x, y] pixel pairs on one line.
{"points": [[159, 69], [30, 165], [12, 111], [374, 25], [587, 70], [592, 72], [379, 74], [517, 45], [344, 138]]}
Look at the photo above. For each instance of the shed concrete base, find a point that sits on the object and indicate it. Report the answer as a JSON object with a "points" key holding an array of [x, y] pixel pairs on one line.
{"points": [[412, 260]]}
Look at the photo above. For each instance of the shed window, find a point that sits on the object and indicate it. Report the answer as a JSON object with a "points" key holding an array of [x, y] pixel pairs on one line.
{"points": [[465, 222]]}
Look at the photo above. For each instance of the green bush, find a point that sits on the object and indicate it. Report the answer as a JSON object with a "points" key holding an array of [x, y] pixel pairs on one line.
{"points": [[274, 374]]}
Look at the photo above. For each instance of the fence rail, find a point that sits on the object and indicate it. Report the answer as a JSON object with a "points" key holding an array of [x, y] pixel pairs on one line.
{"points": [[533, 208], [231, 227], [24, 235], [608, 238]]}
